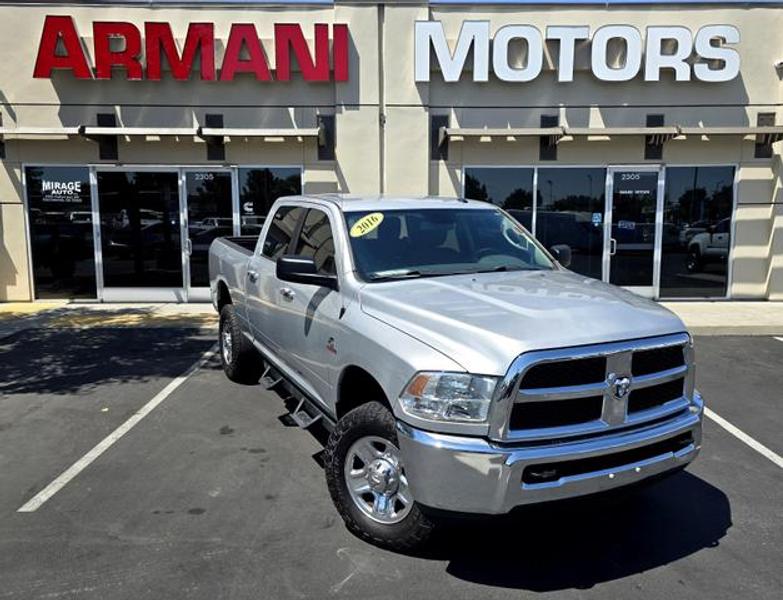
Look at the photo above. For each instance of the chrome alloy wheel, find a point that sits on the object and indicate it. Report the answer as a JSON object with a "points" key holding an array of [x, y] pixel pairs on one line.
{"points": [[226, 339], [376, 481]]}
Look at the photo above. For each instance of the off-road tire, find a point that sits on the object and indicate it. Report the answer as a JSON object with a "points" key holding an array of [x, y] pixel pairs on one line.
{"points": [[370, 419], [244, 365]]}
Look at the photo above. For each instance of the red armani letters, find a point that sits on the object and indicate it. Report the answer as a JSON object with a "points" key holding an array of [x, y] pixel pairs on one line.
{"points": [[158, 41]]}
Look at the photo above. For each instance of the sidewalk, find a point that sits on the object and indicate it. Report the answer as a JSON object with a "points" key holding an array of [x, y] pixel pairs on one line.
{"points": [[735, 317], [702, 318], [17, 316]]}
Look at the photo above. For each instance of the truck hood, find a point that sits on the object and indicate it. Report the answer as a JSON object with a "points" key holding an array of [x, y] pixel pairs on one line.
{"points": [[486, 320]]}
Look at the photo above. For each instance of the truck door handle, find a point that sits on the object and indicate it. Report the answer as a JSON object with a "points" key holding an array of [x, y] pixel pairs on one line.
{"points": [[189, 246], [287, 293], [252, 276], [612, 246]]}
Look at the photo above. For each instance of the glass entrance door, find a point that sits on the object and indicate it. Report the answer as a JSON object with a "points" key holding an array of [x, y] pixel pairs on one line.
{"points": [[209, 212], [633, 218], [140, 235]]}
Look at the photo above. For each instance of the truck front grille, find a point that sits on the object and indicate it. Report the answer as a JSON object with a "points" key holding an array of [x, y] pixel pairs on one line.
{"points": [[576, 372], [556, 414], [655, 395], [594, 389], [657, 359]]}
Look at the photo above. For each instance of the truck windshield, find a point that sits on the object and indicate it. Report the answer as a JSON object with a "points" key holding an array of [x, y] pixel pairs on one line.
{"points": [[410, 243]]}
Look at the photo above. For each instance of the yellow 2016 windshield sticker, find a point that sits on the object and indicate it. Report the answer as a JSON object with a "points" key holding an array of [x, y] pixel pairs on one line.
{"points": [[366, 224]]}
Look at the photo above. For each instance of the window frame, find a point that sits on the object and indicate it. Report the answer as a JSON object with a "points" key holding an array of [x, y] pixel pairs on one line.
{"points": [[294, 235], [732, 233], [294, 246]]}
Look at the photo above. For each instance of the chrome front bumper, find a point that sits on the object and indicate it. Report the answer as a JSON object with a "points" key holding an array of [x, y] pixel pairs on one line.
{"points": [[473, 475]]}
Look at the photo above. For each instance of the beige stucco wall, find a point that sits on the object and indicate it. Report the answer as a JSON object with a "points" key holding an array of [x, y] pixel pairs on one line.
{"points": [[14, 277], [382, 114]]}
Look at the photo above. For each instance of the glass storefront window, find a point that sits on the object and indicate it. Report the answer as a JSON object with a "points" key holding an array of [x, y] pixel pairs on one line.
{"points": [[140, 229], [510, 188], [697, 213], [570, 210], [634, 204], [210, 215], [258, 190], [61, 239]]}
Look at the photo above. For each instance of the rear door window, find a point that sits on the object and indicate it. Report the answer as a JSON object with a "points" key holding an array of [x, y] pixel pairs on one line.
{"points": [[316, 241], [281, 231]]}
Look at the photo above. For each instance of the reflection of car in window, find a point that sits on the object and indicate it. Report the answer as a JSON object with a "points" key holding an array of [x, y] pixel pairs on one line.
{"points": [[253, 220], [575, 229], [224, 222], [688, 231], [80, 216], [710, 246]]}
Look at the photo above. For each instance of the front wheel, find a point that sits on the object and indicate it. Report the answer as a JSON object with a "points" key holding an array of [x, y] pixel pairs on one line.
{"points": [[366, 478]]}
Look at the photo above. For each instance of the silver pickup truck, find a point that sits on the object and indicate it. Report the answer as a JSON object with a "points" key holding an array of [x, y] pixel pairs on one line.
{"points": [[458, 365]]}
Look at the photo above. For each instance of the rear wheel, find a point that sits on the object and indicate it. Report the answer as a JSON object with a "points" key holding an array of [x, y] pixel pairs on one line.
{"points": [[367, 481], [694, 261], [241, 362]]}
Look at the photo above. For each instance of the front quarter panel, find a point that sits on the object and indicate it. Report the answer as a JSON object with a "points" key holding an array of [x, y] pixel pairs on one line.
{"points": [[393, 357]]}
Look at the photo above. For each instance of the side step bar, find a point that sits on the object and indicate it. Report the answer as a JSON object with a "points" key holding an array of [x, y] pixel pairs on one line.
{"points": [[268, 381], [307, 411], [302, 418]]}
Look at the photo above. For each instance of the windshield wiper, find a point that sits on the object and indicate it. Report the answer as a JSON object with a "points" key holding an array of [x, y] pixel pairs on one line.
{"points": [[392, 275], [499, 268]]}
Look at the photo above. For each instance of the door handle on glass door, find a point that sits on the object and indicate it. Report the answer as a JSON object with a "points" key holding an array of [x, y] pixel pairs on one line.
{"points": [[189, 246], [287, 293], [252, 276], [612, 246]]}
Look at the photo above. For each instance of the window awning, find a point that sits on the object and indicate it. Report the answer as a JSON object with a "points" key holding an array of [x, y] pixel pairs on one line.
{"points": [[762, 134], [768, 134], [510, 133], [267, 134], [38, 132], [88, 131]]}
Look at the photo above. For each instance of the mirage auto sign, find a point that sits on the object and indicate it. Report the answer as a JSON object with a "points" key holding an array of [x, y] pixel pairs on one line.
{"points": [[705, 54]]}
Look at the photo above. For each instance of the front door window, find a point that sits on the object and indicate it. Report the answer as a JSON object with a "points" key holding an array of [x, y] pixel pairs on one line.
{"points": [[140, 229], [632, 237], [210, 215]]}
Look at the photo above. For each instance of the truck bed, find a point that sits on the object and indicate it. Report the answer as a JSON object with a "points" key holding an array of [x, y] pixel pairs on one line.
{"points": [[245, 243], [228, 260]]}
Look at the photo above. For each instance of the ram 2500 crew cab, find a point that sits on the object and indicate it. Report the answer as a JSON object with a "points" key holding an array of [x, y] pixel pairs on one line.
{"points": [[457, 363]]}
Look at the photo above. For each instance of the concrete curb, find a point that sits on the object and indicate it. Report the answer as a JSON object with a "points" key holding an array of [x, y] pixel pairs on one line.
{"points": [[740, 330]]}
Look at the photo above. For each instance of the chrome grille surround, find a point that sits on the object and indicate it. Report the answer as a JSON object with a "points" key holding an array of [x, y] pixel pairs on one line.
{"points": [[614, 414]]}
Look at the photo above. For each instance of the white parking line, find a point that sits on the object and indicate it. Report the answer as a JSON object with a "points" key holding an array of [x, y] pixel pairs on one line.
{"points": [[745, 438], [780, 339], [55, 486]]}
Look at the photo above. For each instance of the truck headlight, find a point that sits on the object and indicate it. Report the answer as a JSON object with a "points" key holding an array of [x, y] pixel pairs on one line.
{"points": [[448, 396]]}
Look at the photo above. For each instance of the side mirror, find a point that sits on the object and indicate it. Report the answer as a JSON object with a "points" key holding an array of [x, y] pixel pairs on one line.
{"points": [[302, 269], [562, 254]]}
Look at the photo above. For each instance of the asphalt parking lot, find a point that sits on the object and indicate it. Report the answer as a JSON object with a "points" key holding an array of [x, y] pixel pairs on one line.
{"points": [[215, 495]]}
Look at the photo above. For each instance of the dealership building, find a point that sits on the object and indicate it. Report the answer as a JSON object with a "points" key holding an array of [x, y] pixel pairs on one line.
{"points": [[645, 135]]}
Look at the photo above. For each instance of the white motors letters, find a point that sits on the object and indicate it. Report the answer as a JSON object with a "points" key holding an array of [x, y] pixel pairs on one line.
{"points": [[703, 56]]}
